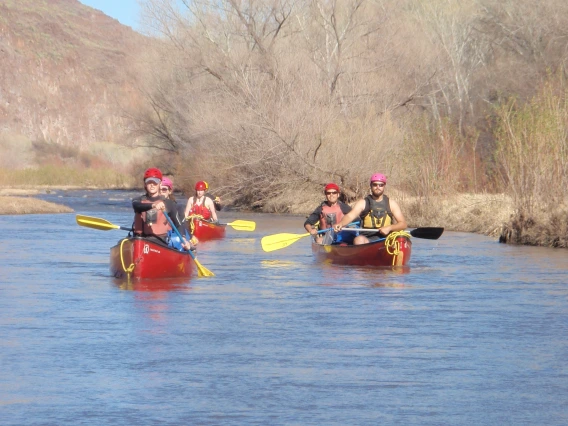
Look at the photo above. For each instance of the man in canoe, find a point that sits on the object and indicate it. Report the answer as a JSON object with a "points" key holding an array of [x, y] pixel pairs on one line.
{"points": [[216, 200], [328, 214], [376, 211], [150, 208]]}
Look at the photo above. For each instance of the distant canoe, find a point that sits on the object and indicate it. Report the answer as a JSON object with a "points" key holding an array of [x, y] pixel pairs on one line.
{"points": [[375, 253], [146, 259], [205, 230]]}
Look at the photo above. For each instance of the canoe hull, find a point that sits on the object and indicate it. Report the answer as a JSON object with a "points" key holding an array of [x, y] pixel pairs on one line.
{"points": [[145, 259], [205, 231], [372, 254]]}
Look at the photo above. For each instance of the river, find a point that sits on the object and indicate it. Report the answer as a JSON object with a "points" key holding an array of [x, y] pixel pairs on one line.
{"points": [[472, 333]]}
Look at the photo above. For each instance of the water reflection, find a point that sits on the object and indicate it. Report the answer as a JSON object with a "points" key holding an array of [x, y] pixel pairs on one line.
{"points": [[173, 284]]}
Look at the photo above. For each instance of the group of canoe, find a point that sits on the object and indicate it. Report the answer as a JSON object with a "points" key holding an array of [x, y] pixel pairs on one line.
{"points": [[137, 258], [155, 247]]}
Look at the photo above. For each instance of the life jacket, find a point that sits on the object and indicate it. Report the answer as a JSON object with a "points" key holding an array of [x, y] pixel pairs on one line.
{"points": [[200, 209], [151, 222], [330, 215], [376, 213]]}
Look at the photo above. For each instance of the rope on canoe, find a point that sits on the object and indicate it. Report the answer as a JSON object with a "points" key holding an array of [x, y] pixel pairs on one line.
{"points": [[393, 245], [191, 218], [124, 268]]}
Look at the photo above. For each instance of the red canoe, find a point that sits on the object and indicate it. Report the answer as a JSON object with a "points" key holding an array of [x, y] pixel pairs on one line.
{"points": [[146, 259], [205, 231], [375, 253]]}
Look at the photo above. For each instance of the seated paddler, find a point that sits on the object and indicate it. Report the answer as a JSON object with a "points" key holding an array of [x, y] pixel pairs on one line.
{"points": [[377, 212], [326, 215], [150, 210], [201, 206]]}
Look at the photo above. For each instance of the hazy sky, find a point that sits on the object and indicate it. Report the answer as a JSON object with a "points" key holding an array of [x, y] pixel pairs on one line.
{"points": [[125, 11]]}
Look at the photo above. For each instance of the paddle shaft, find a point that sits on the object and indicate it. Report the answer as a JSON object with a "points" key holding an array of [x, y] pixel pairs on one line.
{"points": [[175, 230], [428, 233], [202, 271]]}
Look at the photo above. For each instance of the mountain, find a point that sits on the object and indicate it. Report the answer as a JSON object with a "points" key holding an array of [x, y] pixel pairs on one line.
{"points": [[67, 72]]}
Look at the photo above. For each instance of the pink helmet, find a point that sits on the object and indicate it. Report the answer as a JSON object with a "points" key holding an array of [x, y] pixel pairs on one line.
{"points": [[167, 182], [378, 177]]}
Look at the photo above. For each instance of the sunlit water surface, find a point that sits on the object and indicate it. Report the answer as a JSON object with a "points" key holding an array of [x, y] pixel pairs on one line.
{"points": [[472, 333]]}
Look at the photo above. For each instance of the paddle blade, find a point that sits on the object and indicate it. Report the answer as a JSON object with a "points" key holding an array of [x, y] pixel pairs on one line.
{"points": [[202, 271], [243, 225], [428, 233], [280, 241], [95, 223]]}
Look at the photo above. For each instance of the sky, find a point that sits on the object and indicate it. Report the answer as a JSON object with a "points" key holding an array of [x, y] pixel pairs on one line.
{"points": [[125, 11]]}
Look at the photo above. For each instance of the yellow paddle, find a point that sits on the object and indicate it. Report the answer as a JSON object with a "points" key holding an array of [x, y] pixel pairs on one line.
{"points": [[280, 241], [242, 225], [96, 223]]}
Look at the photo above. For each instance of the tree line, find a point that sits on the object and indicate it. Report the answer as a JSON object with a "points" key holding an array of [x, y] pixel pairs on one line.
{"points": [[443, 96]]}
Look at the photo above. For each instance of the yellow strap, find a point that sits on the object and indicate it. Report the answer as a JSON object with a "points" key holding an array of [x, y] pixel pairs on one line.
{"points": [[393, 245], [191, 222], [124, 268]]}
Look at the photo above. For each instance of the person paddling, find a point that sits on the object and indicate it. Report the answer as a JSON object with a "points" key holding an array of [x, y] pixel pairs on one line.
{"points": [[377, 212], [150, 208], [328, 214], [200, 205]]}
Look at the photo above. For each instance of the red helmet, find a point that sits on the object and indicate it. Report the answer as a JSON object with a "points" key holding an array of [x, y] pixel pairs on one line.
{"points": [[200, 186], [153, 173], [331, 186]]}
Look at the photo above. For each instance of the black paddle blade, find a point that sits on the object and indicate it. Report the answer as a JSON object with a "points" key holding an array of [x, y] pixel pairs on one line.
{"points": [[429, 233]]}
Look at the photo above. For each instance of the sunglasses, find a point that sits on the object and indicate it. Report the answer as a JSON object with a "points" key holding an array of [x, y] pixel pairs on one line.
{"points": [[331, 193], [164, 189], [380, 185]]}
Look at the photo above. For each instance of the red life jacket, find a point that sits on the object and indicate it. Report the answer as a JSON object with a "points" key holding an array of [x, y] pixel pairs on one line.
{"points": [[330, 215], [151, 222], [200, 209]]}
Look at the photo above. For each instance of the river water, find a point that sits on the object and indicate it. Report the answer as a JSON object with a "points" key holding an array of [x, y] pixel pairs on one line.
{"points": [[472, 333]]}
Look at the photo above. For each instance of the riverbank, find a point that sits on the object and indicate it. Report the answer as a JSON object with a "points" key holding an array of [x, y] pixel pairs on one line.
{"points": [[29, 205]]}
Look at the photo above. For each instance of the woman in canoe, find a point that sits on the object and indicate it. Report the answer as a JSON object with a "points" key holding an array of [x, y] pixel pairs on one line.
{"points": [[200, 205], [328, 214], [167, 189], [377, 212], [150, 210]]}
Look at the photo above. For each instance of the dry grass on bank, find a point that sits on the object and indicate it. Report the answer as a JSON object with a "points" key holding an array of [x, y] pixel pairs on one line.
{"points": [[52, 175], [24, 205], [479, 213], [545, 226]]}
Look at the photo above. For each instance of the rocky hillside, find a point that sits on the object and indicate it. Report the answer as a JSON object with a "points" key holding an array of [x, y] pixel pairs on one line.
{"points": [[66, 72]]}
